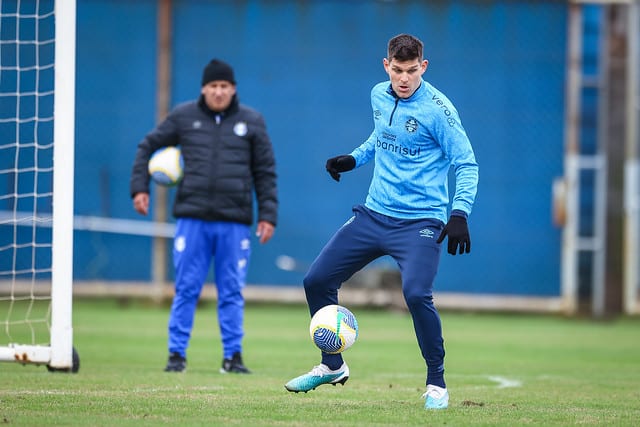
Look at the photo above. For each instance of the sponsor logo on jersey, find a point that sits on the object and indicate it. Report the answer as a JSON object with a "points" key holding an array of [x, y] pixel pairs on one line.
{"points": [[389, 136], [447, 112], [398, 149]]}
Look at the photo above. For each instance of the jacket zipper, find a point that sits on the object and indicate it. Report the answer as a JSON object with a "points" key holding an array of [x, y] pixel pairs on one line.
{"points": [[394, 110]]}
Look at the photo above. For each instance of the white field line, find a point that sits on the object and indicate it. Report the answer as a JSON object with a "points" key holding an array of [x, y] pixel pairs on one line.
{"points": [[505, 382], [501, 382]]}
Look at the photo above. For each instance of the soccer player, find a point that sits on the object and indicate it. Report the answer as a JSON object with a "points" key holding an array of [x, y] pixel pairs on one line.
{"points": [[417, 138], [228, 157]]}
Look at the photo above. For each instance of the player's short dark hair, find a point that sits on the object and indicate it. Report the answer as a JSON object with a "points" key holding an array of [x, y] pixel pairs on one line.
{"points": [[404, 47]]}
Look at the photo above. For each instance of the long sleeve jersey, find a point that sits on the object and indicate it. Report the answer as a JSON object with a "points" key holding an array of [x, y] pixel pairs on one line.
{"points": [[415, 142]]}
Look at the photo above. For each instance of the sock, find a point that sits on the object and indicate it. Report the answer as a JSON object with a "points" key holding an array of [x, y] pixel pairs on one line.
{"points": [[436, 377], [333, 361]]}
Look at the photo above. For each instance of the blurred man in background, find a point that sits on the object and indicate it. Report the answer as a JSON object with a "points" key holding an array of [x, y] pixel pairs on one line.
{"points": [[227, 157], [417, 137]]}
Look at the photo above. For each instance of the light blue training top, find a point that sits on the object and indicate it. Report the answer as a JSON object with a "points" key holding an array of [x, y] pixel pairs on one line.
{"points": [[415, 142]]}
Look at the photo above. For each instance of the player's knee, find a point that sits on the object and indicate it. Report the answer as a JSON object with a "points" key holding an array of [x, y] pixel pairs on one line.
{"points": [[188, 292], [314, 280], [416, 299]]}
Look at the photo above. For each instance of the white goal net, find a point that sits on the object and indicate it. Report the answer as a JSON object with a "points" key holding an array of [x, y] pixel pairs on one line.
{"points": [[37, 88]]}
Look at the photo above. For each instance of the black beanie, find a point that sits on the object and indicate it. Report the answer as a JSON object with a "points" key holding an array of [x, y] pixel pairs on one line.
{"points": [[217, 70]]}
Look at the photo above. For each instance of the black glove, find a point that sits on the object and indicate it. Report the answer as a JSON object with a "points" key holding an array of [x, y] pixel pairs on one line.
{"points": [[458, 233], [338, 164]]}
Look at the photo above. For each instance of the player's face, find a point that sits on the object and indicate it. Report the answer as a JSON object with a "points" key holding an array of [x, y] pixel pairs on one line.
{"points": [[405, 76], [218, 94]]}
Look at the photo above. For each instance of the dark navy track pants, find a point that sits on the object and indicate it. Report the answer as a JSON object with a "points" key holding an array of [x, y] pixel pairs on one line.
{"points": [[196, 242], [367, 236]]}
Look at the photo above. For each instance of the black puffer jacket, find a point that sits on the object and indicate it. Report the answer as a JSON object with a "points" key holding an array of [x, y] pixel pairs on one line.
{"points": [[223, 163]]}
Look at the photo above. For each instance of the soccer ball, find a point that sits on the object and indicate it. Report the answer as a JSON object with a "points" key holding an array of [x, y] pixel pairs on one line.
{"points": [[166, 166], [333, 329]]}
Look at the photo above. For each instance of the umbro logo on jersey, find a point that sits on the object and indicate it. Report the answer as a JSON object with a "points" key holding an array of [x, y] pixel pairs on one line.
{"points": [[197, 124], [425, 232]]}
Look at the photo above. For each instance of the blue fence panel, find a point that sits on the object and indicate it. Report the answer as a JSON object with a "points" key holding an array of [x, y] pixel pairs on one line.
{"points": [[26, 137], [309, 67], [116, 106]]}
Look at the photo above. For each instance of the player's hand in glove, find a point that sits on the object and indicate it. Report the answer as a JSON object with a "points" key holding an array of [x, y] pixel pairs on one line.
{"points": [[338, 164], [458, 233]]}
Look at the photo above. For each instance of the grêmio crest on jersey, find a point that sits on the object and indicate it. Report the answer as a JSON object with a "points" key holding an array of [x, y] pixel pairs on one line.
{"points": [[411, 125]]}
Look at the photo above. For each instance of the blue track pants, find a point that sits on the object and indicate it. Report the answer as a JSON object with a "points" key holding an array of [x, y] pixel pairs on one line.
{"points": [[412, 244], [196, 242]]}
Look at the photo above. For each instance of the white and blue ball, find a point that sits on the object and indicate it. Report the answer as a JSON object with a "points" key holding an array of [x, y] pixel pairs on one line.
{"points": [[166, 166], [333, 329]]}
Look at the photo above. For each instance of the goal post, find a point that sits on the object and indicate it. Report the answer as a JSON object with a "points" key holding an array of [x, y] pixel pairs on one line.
{"points": [[63, 185], [37, 75]]}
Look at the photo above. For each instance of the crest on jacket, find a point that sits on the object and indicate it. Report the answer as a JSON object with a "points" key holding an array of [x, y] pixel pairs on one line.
{"points": [[240, 129]]}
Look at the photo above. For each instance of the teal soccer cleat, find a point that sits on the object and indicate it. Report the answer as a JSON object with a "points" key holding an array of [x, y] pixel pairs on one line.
{"points": [[319, 375], [437, 397]]}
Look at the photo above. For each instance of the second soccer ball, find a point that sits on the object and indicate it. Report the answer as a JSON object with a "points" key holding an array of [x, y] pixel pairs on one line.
{"points": [[166, 166], [333, 329]]}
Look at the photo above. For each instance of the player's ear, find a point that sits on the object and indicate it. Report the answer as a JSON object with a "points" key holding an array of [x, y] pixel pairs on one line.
{"points": [[385, 64], [425, 65]]}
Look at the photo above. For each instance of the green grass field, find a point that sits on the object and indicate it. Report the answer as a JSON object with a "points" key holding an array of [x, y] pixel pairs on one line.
{"points": [[502, 370]]}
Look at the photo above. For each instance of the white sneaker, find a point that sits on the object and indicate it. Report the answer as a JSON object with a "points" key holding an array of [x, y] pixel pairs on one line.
{"points": [[436, 397]]}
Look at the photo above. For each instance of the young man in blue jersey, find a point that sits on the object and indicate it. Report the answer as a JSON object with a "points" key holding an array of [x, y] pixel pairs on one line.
{"points": [[417, 138]]}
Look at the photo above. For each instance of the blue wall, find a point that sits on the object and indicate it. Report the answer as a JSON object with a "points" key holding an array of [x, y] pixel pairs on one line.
{"points": [[309, 67], [116, 105], [20, 127]]}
